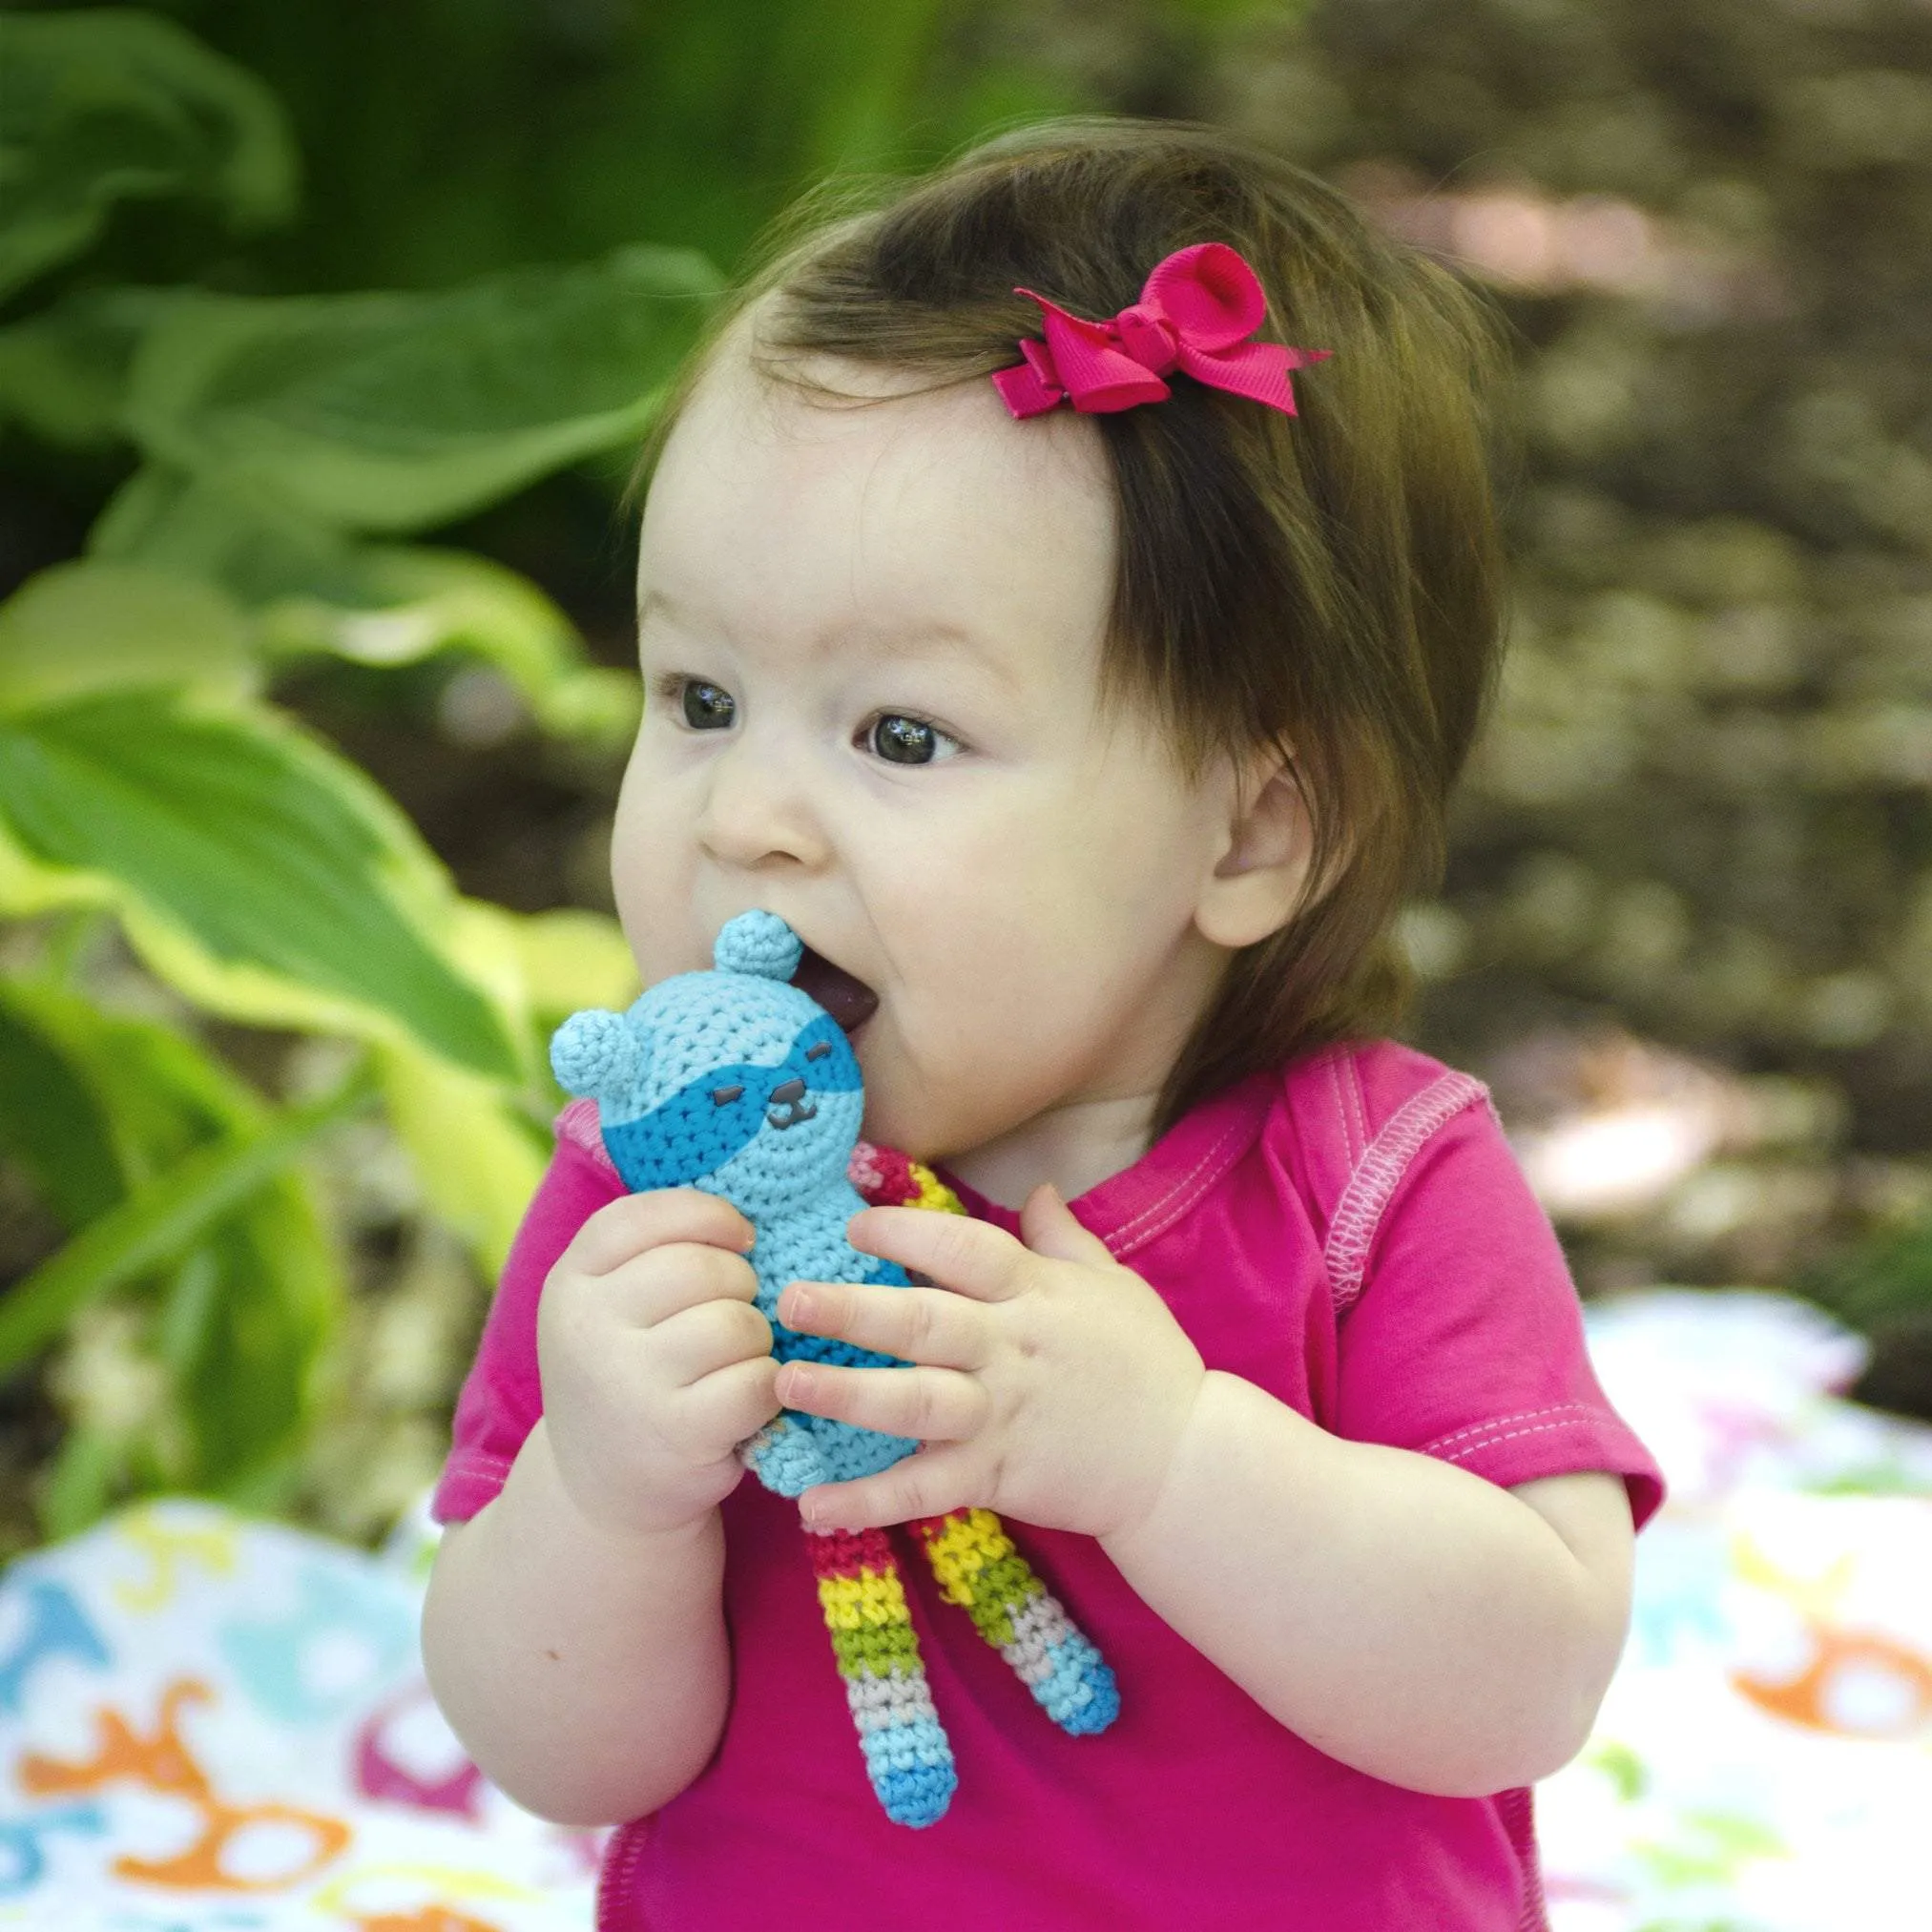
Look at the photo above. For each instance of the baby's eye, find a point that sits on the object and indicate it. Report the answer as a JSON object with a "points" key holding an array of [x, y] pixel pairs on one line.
{"points": [[723, 1096], [902, 741], [706, 706]]}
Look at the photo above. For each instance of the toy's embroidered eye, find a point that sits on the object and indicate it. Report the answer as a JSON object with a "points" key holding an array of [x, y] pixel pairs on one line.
{"points": [[707, 707], [723, 1096], [902, 741], [819, 1051]]}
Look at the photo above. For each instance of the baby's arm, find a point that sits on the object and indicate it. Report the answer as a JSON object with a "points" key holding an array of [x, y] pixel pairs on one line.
{"points": [[1408, 1618], [1405, 1616], [574, 1632]]}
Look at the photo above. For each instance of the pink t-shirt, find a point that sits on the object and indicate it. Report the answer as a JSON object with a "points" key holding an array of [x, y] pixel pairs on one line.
{"points": [[1354, 1238]]}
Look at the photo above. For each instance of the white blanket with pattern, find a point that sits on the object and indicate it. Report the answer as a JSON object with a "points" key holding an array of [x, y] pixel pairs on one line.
{"points": [[209, 1724]]}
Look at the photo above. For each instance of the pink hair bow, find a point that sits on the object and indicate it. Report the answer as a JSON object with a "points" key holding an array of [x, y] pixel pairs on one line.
{"points": [[1196, 314]]}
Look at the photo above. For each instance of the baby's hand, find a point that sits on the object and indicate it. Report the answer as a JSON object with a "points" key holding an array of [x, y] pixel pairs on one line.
{"points": [[655, 1362], [1051, 1384]]}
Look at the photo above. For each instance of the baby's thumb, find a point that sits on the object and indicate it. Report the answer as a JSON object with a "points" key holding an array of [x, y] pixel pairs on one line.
{"points": [[1047, 1227]]}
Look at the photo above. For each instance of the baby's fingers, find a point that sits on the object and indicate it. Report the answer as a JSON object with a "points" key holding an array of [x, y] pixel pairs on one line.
{"points": [[930, 1483], [718, 1411], [916, 1324], [930, 1405], [635, 1223], [698, 1341]]}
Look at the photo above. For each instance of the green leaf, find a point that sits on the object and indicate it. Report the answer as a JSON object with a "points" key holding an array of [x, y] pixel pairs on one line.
{"points": [[312, 590], [89, 626], [79, 1486], [394, 412], [854, 72], [241, 1334], [244, 1313], [52, 1124], [158, 1092], [416, 601], [248, 543], [261, 874], [478, 1159], [104, 105], [569, 960], [158, 1220], [64, 373]]}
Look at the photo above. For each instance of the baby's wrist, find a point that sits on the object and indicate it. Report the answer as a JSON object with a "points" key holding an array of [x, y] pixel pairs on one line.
{"points": [[1152, 1492], [661, 1521]]}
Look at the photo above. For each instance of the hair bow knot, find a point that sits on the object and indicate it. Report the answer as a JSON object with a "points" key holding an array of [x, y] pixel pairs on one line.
{"points": [[1196, 314]]}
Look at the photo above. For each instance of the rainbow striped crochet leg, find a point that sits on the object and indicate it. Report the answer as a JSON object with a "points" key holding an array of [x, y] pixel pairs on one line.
{"points": [[907, 1756], [978, 1568]]}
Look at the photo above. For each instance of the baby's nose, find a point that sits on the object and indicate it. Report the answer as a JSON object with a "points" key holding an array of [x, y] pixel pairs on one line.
{"points": [[756, 812], [787, 1092]]}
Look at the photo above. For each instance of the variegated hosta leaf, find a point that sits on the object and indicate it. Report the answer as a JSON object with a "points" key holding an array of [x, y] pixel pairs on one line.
{"points": [[84, 627], [478, 1149], [310, 588], [262, 875]]}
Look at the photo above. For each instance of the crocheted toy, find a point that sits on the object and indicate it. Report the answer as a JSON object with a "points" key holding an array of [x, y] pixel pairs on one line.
{"points": [[736, 1082]]}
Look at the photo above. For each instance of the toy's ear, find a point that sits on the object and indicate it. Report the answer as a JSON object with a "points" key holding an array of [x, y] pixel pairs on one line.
{"points": [[759, 943], [596, 1054]]}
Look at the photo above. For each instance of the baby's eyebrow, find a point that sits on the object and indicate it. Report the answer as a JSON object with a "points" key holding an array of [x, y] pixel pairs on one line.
{"points": [[936, 639]]}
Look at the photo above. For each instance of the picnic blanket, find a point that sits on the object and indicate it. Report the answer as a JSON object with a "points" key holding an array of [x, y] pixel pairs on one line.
{"points": [[212, 1724]]}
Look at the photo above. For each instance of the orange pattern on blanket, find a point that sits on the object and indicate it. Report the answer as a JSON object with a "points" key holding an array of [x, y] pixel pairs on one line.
{"points": [[430, 1919], [1857, 1684], [163, 1764]]}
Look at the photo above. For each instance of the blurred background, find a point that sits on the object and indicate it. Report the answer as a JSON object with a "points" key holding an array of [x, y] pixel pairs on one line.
{"points": [[328, 333]]}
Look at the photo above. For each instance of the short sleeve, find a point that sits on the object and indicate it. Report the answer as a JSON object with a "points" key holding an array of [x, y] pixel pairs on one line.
{"points": [[1466, 1341], [501, 1397]]}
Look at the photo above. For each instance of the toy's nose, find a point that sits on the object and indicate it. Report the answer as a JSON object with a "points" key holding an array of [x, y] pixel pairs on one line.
{"points": [[789, 1106]]}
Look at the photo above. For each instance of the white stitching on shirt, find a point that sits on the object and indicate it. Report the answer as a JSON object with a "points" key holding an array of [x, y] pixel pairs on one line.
{"points": [[1349, 1067], [1359, 1212], [1497, 1422], [1474, 1449], [478, 1462], [1353, 1139], [1178, 1198]]}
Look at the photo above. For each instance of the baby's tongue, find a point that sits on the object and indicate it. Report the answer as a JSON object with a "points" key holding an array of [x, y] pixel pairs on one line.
{"points": [[850, 1002]]}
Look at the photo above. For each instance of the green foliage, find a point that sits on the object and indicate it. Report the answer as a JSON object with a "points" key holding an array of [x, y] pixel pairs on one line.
{"points": [[393, 412], [103, 626], [100, 106], [180, 1186], [146, 780], [234, 848]]}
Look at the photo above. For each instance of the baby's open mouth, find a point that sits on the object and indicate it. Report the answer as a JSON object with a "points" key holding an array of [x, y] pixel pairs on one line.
{"points": [[849, 1001]]}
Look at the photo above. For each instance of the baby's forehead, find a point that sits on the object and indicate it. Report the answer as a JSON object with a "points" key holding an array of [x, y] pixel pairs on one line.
{"points": [[784, 522]]}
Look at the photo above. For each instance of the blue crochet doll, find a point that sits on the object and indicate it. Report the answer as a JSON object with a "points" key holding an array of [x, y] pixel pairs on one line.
{"points": [[737, 1082]]}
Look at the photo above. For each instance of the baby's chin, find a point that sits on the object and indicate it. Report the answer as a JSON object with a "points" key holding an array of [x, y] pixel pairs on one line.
{"points": [[895, 1119]]}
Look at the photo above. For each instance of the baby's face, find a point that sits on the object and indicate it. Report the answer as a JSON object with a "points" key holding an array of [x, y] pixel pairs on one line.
{"points": [[871, 645]]}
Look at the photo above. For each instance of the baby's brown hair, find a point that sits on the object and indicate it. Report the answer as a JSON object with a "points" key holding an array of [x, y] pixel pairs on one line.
{"points": [[1328, 583]]}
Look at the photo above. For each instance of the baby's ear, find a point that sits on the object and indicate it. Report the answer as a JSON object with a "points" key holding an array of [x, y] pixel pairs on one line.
{"points": [[597, 1053], [1260, 881]]}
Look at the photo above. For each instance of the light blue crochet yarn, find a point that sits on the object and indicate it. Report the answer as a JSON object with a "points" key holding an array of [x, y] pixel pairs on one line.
{"points": [[736, 1082]]}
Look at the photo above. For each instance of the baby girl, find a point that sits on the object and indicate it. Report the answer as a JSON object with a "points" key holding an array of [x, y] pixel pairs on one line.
{"points": [[1067, 592]]}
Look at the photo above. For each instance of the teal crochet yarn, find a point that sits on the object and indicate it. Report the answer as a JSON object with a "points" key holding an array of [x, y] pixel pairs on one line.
{"points": [[736, 1082]]}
